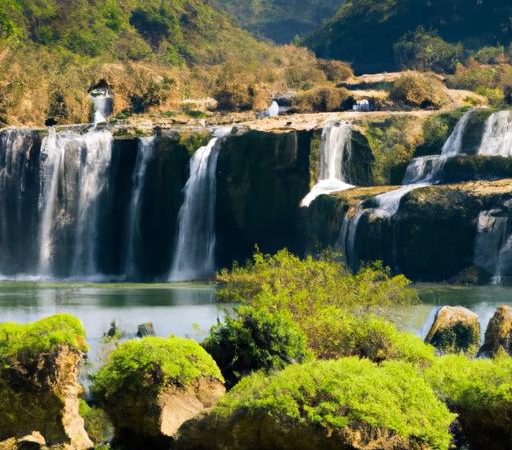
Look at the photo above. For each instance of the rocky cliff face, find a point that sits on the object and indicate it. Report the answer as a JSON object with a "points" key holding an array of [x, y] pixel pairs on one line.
{"points": [[41, 394]]}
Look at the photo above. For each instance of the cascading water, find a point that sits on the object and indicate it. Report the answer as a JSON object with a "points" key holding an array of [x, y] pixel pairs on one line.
{"points": [[421, 172], [144, 155], [92, 182], [497, 137], [102, 102], [335, 150], [194, 254]]}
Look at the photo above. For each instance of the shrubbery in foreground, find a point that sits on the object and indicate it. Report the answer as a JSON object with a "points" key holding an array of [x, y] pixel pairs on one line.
{"points": [[335, 402], [480, 392], [254, 340]]}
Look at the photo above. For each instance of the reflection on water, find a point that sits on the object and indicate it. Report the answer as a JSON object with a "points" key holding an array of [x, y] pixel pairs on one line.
{"points": [[183, 310]]}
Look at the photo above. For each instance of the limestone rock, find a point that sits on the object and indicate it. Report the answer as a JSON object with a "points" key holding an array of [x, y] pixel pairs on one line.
{"points": [[153, 421], [42, 393], [455, 329], [499, 333]]}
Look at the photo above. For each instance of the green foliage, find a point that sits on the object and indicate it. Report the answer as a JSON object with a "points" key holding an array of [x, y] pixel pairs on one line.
{"points": [[192, 141], [97, 424], [254, 340], [418, 90], [20, 342], [480, 392], [320, 295], [460, 338], [152, 363], [347, 393], [490, 55], [365, 31], [337, 334], [421, 50]]}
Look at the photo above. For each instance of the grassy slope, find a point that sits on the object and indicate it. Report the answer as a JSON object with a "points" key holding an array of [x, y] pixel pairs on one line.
{"points": [[364, 31], [280, 20], [153, 51]]}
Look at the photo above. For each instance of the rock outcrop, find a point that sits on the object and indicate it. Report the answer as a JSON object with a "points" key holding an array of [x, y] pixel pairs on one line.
{"points": [[150, 387], [455, 329], [39, 387], [498, 335]]}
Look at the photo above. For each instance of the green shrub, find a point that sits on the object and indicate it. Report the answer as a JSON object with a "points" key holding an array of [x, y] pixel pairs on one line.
{"points": [[321, 99], [480, 392], [254, 340], [26, 341], [335, 334], [490, 55], [422, 50], [150, 364], [418, 90], [391, 401]]}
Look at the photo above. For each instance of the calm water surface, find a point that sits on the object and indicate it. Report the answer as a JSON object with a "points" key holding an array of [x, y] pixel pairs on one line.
{"points": [[188, 310]]}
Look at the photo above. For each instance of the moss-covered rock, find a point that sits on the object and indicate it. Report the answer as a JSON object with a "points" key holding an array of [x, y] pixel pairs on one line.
{"points": [[39, 388], [455, 330], [149, 387], [345, 404], [479, 391], [498, 336]]}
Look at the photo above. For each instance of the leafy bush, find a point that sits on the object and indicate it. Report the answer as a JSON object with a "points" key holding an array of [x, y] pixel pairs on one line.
{"points": [[335, 71], [351, 399], [480, 392], [321, 99], [418, 90], [490, 55], [334, 334], [422, 50], [152, 363], [254, 340], [25, 341]]}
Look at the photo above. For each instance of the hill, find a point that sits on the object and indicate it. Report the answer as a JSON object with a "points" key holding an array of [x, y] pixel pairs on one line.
{"points": [[279, 20], [153, 53], [365, 31]]}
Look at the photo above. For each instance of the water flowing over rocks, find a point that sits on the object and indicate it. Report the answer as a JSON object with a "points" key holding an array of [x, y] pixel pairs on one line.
{"points": [[455, 330], [498, 335]]}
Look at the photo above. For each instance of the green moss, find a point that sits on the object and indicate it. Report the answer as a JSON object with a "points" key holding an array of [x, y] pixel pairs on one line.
{"points": [[461, 338], [153, 363], [480, 392], [25, 341], [98, 426], [254, 340], [348, 393], [340, 335], [192, 141]]}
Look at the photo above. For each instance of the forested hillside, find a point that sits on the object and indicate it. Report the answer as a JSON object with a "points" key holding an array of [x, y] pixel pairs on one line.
{"points": [[365, 31], [280, 20]]}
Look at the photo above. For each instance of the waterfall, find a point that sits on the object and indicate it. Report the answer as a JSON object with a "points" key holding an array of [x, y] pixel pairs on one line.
{"points": [[102, 103], [497, 137], [194, 254], [92, 181], [421, 172], [144, 155], [52, 153], [335, 151], [491, 236]]}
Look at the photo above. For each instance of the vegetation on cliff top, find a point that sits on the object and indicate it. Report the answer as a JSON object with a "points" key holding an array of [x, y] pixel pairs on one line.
{"points": [[386, 401], [153, 363], [19, 342]]}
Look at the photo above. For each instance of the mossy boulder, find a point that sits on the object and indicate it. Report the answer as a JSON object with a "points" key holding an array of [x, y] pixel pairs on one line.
{"points": [[419, 90], [345, 404], [149, 387], [480, 393], [39, 365], [498, 336], [455, 330]]}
